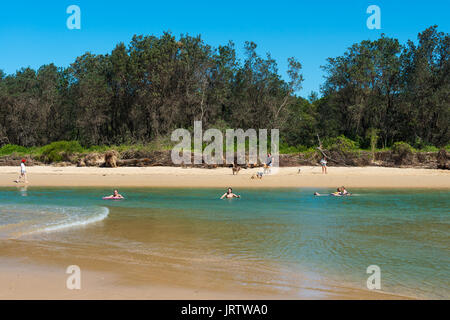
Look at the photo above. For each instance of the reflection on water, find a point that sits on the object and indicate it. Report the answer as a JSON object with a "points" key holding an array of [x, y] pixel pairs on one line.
{"points": [[269, 239], [23, 191]]}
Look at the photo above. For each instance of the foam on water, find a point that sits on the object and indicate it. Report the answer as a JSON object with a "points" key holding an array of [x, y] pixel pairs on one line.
{"points": [[17, 220]]}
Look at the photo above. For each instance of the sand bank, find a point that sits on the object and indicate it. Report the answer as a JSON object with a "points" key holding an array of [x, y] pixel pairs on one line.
{"points": [[351, 177]]}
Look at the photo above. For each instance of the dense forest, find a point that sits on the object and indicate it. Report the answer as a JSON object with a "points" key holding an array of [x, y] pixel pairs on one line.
{"points": [[140, 92]]}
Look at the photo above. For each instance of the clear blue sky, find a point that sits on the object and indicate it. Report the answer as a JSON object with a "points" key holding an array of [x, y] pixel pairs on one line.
{"points": [[33, 33]]}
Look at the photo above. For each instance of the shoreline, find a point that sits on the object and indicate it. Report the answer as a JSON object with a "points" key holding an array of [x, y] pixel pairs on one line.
{"points": [[21, 280], [176, 177]]}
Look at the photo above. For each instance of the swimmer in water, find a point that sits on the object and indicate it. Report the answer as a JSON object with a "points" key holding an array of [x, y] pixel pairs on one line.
{"points": [[337, 193], [341, 191], [116, 195], [229, 194]]}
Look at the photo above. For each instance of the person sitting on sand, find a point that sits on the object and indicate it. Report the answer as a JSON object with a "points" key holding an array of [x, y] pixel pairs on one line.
{"points": [[257, 175], [116, 195], [229, 194], [23, 172]]}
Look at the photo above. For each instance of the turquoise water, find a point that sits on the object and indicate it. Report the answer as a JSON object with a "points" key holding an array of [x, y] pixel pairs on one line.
{"points": [[404, 232]]}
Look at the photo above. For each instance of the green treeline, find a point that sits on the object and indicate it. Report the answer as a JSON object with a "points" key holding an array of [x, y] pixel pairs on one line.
{"points": [[377, 93]]}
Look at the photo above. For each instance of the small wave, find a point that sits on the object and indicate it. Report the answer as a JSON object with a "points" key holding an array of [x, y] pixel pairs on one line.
{"points": [[20, 220], [90, 220]]}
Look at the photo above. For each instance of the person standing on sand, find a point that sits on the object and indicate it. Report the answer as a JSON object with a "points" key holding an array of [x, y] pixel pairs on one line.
{"points": [[269, 160], [323, 163], [268, 164], [23, 172]]}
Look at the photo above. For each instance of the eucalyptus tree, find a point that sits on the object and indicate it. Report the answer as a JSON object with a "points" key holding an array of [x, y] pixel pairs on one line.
{"points": [[426, 88], [361, 88]]}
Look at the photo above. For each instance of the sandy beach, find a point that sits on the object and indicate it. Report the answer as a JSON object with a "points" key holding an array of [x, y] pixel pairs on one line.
{"points": [[351, 177]]}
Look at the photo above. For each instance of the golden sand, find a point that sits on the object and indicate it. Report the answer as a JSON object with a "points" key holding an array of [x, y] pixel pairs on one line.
{"points": [[351, 177]]}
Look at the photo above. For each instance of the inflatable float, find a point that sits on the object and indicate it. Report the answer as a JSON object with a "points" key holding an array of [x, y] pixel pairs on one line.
{"points": [[112, 198], [334, 194]]}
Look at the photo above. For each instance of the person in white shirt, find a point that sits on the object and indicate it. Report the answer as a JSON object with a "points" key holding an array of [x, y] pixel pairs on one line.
{"points": [[23, 172], [323, 163]]}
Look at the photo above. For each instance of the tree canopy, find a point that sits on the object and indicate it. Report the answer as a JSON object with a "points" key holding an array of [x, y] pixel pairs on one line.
{"points": [[153, 85]]}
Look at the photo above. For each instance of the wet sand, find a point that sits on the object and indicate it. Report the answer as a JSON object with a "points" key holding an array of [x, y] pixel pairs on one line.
{"points": [[22, 280], [351, 177]]}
